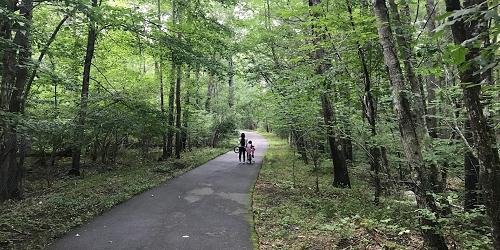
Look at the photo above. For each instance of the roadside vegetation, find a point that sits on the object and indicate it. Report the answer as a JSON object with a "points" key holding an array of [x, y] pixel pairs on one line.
{"points": [[53, 208], [290, 214], [102, 100]]}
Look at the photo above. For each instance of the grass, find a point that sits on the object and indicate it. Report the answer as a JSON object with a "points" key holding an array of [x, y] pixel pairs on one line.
{"points": [[291, 215], [49, 212]]}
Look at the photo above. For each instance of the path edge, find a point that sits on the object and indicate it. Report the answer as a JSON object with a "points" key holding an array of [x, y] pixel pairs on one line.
{"points": [[255, 237]]}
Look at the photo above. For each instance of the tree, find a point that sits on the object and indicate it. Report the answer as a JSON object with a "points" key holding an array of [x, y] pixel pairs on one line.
{"points": [[178, 113], [375, 152], [15, 64], [484, 135], [231, 81], [159, 70], [340, 172], [411, 131], [89, 55]]}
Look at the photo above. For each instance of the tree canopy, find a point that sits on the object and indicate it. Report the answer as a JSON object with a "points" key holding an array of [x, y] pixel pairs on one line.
{"points": [[405, 90]]}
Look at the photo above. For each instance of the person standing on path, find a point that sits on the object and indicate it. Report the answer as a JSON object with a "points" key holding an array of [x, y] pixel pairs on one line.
{"points": [[242, 145]]}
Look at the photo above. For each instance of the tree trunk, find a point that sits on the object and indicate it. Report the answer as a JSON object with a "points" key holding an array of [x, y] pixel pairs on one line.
{"points": [[11, 98], [299, 142], [231, 82], [173, 82], [159, 70], [432, 82], [375, 164], [406, 52], [210, 92], [178, 109], [171, 98], [347, 146], [340, 172], [95, 147], [410, 131], [8, 59], [471, 167], [178, 113], [483, 134], [185, 114], [40, 58], [23, 41], [79, 133], [370, 113]]}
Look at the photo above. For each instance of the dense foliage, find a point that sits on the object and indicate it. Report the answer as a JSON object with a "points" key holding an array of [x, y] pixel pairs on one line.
{"points": [[407, 91], [134, 61]]}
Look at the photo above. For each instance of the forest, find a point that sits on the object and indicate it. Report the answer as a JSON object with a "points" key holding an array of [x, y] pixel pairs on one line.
{"points": [[384, 99]]}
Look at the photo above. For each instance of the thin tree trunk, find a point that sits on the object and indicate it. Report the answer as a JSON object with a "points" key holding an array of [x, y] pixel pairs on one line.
{"points": [[231, 82], [269, 28], [173, 83], [178, 113], [347, 145], [176, 15], [185, 114], [299, 142], [484, 135], [40, 58], [210, 92], [370, 113], [405, 49], [316, 164], [159, 70], [171, 98], [432, 82], [471, 167], [79, 133], [55, 142], [410, 131]]}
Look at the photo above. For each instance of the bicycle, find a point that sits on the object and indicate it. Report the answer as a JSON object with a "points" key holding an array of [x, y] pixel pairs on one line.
{"points": [[250, 156]]}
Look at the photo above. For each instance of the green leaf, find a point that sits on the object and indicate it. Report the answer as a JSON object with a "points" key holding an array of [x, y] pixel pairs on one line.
{"points": [[455, 54]]}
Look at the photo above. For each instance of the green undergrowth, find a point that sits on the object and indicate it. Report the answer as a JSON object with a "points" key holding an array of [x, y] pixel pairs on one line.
{"points": [[36, 221], [291, 215]]}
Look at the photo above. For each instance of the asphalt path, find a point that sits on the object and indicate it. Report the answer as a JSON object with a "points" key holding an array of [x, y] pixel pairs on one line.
{"points": [[205, 208]]}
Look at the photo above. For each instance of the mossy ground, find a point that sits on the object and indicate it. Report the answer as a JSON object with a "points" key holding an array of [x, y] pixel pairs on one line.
{"points": [[48, 212], [291, 215]]}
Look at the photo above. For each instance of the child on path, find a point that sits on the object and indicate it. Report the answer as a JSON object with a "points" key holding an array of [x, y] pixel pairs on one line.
{"points": [[250, 151]]}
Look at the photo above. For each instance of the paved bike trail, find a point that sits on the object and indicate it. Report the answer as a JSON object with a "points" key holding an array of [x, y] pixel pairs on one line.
{"points": [[206, 208]]}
